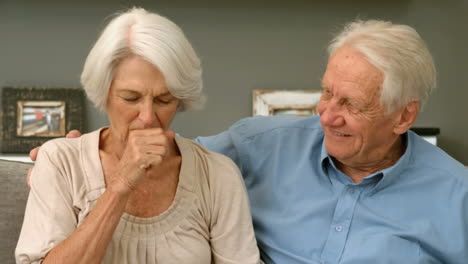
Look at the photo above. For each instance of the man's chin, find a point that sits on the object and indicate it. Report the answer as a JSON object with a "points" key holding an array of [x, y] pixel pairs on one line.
{"points": [[337, 151]]}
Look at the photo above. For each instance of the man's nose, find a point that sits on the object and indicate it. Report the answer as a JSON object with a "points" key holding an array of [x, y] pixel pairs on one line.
{"points": [[331, 114]]}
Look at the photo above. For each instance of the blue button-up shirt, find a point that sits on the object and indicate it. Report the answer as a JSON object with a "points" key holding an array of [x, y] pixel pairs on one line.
{"points": [[305, 210]]}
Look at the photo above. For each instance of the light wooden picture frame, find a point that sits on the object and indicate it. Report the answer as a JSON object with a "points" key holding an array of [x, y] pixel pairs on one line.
{"points": [[285, 102]]}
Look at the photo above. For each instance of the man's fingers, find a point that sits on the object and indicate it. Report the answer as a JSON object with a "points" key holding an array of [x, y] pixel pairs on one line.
{"points": [[33, 153], [73, 134], [28, 177]]}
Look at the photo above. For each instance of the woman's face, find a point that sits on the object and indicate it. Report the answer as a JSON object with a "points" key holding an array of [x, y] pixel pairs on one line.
{"points": [[138, 94]]}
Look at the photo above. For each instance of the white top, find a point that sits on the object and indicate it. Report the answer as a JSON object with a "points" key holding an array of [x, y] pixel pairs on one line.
{"points": [[208, 222]]}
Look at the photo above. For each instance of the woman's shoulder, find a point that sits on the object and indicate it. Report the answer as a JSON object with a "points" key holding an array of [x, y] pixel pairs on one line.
{"points": [[59, 148], [68, 147], [70, 162]]}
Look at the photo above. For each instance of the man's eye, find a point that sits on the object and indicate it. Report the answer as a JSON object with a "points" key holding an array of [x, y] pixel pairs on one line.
{"points": [[353, 107], [326, 94], [130, 99], [350, 105]]}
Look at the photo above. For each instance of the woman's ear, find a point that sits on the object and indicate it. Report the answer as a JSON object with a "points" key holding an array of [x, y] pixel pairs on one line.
{"points": [[406, 117]]}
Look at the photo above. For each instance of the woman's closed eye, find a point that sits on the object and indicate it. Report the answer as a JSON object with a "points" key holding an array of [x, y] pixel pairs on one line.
{"points": [[158, 100], [132, 97]]}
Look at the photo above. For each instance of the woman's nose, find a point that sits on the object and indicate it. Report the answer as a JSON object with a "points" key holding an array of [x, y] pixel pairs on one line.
{"points": [[147, 114]]}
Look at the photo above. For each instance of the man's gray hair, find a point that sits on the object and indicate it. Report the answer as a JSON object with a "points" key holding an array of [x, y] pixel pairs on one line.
{"points": [[399, 53], [157, 40]]}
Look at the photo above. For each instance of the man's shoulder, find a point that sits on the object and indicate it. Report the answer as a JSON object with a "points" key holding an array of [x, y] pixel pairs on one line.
{"points": [[436, 161], [213, 163], [253, 126], [252, 135]]}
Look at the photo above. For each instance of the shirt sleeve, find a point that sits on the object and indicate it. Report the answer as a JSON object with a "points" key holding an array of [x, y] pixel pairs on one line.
{"points": [[232, 142], [231, 232], [221, 143], [49, 216]]}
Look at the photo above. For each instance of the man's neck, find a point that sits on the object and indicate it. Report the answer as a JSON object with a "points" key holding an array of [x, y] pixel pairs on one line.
{"points": [[358, 171]]}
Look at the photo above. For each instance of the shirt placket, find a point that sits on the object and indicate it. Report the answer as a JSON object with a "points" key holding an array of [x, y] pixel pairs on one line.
{"points": [[339, 228]]}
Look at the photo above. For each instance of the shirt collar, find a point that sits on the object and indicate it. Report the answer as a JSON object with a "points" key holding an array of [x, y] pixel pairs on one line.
{"points": [[325, 159], [393, 173], [384, 177], [323, 154]]}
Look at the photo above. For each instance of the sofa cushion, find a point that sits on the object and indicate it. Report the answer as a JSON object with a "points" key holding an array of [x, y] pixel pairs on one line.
{"points": [[13, 196]]}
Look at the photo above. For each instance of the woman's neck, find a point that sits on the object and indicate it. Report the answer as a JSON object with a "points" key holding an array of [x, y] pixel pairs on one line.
{"points": [[110, 144]]}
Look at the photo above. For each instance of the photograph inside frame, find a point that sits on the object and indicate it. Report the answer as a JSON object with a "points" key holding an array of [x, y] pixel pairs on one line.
{"points": [[41, 118]]}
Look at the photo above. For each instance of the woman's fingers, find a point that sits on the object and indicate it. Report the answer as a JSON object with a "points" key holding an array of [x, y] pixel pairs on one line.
{"points": [[149, 147], [148, 155], [145, 148], [156, 140]]}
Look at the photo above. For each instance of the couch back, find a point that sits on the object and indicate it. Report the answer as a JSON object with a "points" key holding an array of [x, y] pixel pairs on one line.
{"points": [[13, 196]]}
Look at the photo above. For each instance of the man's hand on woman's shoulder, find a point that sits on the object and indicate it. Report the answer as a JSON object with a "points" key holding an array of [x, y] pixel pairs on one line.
{"points": [[34, 151]]}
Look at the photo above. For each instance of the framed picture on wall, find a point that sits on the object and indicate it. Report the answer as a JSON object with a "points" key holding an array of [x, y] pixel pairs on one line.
{"points": [[285, 102], [32, 116]]}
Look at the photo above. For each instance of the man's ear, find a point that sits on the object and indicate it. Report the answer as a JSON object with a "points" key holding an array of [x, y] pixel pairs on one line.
{"points": [[406, 117]]}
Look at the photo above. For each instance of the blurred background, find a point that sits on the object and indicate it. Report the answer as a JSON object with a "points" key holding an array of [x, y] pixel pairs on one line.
{"points": [[243, 46]]}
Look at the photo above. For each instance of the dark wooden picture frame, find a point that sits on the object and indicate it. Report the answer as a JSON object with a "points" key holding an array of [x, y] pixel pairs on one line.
{"points": [[48, 113]]}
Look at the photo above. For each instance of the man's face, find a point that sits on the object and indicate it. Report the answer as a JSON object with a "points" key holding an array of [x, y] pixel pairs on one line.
{"points": [[357, 131]]}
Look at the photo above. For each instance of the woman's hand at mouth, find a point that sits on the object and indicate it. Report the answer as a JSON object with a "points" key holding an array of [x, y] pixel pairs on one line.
{"points": [[144, 148]]}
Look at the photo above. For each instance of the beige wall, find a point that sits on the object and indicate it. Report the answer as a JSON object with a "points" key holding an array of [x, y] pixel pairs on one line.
{"points": [[243, 46]]}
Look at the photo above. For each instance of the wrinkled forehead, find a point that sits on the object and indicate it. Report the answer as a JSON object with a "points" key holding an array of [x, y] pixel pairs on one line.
{"points": [[350, 75], [347, 61], [349, 65]]}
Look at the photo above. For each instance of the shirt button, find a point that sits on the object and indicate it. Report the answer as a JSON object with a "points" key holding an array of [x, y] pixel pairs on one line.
{"points": [[339, 228]]}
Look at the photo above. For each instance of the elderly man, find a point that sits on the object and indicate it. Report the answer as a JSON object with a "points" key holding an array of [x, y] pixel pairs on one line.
{"points": [[355, 185]]}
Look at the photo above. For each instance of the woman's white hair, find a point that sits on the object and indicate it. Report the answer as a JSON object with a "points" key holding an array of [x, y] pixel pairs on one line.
{"points": [[156, 39], [399, 53]]}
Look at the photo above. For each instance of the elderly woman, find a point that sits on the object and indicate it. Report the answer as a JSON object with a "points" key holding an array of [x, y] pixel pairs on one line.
{"points": [[132, 192]]}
